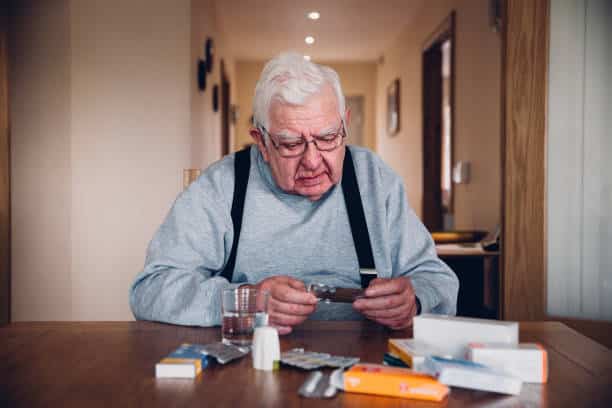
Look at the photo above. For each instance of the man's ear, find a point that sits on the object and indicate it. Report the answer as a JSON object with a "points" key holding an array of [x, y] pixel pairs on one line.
{"points": [[259, 139], [347, 117]]}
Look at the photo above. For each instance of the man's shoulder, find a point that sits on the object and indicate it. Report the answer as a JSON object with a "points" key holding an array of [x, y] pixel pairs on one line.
{"points": [[217, 180], [369, 164], [222, 171]]}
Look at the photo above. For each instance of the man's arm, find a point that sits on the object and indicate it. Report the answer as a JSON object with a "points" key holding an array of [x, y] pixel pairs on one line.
{"points": [[178, 284], [417, 271], [415, 257]]}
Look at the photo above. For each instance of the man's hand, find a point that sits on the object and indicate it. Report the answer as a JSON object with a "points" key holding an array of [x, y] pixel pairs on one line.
{"points": [[390, 302], [288, 304]]}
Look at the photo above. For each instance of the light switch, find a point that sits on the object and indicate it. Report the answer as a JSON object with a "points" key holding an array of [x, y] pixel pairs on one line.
{"points": [[461, 172]]}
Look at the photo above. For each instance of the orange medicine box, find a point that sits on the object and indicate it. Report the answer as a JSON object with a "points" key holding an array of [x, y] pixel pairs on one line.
{"points": [[393, 381]]}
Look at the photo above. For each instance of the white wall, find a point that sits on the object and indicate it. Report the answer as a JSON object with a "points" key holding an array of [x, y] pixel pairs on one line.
{"points": [[104, 119], [579, 173]]}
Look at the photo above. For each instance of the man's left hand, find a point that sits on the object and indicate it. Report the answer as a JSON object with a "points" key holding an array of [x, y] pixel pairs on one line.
{"points": [[389, 301]]}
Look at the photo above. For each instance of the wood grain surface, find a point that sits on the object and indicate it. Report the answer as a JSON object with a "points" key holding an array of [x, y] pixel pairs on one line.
{"points": [[112, 365], [525, 62]]}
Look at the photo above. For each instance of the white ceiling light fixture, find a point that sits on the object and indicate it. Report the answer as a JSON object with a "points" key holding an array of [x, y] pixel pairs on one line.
{"points": [[307, 57], [314, 15], [309, 40]]}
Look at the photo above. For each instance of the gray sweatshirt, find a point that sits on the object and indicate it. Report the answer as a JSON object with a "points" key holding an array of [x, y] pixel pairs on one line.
{"points": [[284, 234]]}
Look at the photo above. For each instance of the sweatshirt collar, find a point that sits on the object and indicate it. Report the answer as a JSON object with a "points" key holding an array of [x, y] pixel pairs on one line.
{"points": [[265, 173]]}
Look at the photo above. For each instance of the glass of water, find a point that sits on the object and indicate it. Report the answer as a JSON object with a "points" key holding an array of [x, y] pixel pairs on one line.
{"points": [[244, 309]]}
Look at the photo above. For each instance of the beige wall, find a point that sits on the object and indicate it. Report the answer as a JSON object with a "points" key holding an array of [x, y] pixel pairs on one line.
{"points": [[477, 108], [357, 78], [205, 123], [247, 74], [41, 167], [100, 137], [130, 140]]}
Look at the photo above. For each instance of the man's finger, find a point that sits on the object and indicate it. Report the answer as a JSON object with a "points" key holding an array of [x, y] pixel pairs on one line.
{"points": [[290, 308], [387, 287], [282, 319], [401, 310], [282, 330], [383, 302], [396, 323], [296, 283], [287, 294]]}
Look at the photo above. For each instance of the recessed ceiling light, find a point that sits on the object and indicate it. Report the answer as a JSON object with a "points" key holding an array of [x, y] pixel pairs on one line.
{"points": [[309, 40], [314, 15], [307, 57]]}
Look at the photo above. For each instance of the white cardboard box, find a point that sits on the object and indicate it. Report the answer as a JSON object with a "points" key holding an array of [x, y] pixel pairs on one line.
{"points": [[527, 361], [467, 374], [453, 334]]}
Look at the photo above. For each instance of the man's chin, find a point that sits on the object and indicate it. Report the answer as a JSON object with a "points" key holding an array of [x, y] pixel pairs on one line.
{"points": [[313, 193]]}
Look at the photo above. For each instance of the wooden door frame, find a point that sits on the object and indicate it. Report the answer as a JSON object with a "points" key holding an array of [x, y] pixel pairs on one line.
{"points": [[444, 31], [5, 179], [524, 137], [225, 110], [524, 90]]}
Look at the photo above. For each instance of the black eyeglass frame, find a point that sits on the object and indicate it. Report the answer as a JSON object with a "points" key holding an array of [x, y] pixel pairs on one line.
{"points": [[340, 135]]}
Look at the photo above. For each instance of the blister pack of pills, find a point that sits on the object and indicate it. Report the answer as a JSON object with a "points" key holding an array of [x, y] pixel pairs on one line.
{"points": [[310, 360], [317, 385], [328, 294], [224, 353]]}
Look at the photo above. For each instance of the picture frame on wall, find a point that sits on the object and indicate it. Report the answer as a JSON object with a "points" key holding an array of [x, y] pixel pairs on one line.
{"points": [[393, 107]]}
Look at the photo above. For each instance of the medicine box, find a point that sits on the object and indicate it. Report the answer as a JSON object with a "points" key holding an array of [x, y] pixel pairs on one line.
{"points": [[393, 381], [187, 361], [527, 361], [413, 352], [467, 374], [453, 334]]}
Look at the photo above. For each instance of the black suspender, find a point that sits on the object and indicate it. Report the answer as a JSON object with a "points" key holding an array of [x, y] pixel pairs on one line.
{"points": [[354, 208], [359, 227], [242, 164]]}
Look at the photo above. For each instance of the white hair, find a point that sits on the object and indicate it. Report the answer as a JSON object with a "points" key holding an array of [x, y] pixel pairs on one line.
{"points": [[290, 79]]}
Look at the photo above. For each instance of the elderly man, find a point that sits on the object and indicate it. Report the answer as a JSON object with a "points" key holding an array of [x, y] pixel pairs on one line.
{"points": [[299, 207]]}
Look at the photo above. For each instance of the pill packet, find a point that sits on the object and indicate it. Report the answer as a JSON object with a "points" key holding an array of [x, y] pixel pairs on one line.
{"points": [[317, 385], [328, 293], [224, 353], [310, 360]]}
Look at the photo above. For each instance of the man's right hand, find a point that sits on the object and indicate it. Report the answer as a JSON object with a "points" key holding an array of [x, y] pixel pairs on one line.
{"points": [[288, 304]]}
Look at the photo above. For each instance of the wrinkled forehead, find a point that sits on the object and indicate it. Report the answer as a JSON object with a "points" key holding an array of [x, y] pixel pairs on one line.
{"points": [[317, 115]]}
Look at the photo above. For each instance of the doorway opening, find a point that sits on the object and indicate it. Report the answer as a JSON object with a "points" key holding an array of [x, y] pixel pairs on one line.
{"points": [[438, 106], [355, 126]]}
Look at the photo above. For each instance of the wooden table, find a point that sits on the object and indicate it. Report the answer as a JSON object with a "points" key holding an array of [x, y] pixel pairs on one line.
{"points": [[112, 365]]}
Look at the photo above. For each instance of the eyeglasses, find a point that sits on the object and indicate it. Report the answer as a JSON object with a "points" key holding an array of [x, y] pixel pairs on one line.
{"points": [[297, 147]]}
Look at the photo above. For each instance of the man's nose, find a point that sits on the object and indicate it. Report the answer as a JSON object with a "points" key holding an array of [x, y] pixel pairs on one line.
{"points": [[312, 156]]}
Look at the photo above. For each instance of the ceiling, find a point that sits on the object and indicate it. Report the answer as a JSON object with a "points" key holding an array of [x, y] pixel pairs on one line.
{"points": [[348, 30]]}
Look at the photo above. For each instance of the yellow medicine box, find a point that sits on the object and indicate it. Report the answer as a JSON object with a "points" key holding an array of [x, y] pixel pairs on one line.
{"points": [[393, 381]]}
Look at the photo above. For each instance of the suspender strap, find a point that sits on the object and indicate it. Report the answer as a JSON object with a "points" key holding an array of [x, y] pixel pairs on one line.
{"points": [[354, 208], [359, 227], [242, 164]]}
